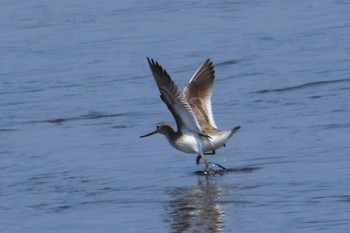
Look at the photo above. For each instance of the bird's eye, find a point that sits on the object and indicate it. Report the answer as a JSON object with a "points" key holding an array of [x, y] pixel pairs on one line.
{"points": [[158, 126]]}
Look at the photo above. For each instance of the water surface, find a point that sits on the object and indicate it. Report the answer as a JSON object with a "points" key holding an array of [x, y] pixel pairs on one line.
{"points": [[76, 93]]}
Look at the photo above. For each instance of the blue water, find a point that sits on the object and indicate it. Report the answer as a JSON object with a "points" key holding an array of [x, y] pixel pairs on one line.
{"points": [[76, 93]]}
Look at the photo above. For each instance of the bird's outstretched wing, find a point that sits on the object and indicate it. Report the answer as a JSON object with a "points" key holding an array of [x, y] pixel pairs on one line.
{"points": [[175, 101], [198, 94]]}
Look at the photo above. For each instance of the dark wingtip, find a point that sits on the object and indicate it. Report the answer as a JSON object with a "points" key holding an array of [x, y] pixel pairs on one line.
{"points": [[209, 62], [150, 61], [153, 64]]}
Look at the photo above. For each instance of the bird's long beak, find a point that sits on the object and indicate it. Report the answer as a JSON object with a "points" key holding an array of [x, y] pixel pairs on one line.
{"points": [[146, 135]]}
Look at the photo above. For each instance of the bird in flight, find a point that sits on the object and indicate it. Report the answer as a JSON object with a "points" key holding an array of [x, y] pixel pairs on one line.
{"points": [[196, 132]]}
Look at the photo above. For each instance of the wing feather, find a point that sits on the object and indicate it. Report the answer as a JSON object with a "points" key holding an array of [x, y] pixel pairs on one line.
{"points": [[174, 100], [198, 93]]}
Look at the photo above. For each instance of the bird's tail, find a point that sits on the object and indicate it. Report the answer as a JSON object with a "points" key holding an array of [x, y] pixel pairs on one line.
{"points": [[234, 130]]}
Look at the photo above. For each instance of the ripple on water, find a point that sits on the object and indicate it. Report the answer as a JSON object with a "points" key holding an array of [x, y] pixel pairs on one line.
{"points": [[305, 85]]}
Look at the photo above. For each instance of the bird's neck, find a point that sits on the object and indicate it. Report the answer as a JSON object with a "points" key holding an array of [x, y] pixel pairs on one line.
{"points": [[170, 133]]}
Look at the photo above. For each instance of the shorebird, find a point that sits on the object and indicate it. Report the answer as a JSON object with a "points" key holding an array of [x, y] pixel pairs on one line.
{"points": [[196, 132]]}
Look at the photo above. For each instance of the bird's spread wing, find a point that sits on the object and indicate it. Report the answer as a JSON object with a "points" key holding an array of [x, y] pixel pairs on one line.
{"points": [[198, 94], [174, 99]]}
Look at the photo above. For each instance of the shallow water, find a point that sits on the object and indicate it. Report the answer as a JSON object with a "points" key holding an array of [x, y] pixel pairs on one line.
{"points": [[76, 93]]}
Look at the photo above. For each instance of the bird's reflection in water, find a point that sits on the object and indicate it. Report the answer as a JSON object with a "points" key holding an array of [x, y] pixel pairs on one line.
{"points": [[196, 208]]}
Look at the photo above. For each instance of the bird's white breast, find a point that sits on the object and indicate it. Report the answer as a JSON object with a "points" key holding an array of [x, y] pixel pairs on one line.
{"points": [[186, 143]]}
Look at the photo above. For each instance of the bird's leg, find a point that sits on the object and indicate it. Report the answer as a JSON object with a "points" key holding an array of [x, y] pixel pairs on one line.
{"points": [[206, 166], [199, 157], [206, 162], [213, 152]]}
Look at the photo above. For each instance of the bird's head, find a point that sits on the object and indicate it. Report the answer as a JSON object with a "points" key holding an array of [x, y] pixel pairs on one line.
{"points": [[162, 128]]}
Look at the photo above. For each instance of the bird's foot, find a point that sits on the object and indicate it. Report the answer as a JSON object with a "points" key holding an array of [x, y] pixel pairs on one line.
{"points": [[208, 170], [222, 167]]}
